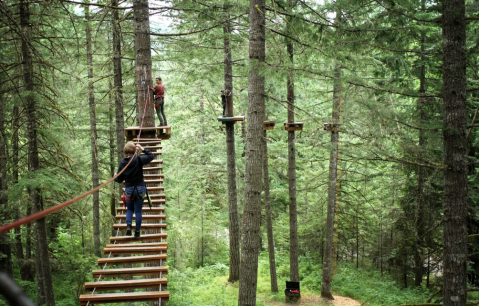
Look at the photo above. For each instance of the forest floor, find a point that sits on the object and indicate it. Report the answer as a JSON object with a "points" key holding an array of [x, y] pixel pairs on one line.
{"points": [[310, 300]]}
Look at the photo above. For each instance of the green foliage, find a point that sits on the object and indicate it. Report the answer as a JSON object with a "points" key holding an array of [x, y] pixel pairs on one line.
{"points": [[369, 285]]}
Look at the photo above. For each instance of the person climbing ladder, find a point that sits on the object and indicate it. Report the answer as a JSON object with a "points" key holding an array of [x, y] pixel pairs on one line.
{"points": [[159, 92], [135, 187]]}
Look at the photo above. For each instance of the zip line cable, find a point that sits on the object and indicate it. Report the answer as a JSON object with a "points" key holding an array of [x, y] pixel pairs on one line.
{"points": [[47, 211]]}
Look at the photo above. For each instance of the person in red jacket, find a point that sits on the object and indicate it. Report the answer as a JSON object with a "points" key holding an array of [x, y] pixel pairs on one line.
{"points": [[159, 92]]}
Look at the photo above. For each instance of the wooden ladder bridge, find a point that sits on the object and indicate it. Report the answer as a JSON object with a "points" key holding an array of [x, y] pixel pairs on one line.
{"points": [[133, 269]]}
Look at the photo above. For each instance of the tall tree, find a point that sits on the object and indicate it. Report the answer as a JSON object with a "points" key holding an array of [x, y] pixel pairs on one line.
{"points": [[293, 210], [143, 63], [269, 221], [93, 136], [332, 187], [118, 84], [455, 152], [253, 174], [231, 155], [42, 260]]}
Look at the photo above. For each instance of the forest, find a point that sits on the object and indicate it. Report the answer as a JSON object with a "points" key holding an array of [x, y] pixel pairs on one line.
{"points": [[366, 187]]}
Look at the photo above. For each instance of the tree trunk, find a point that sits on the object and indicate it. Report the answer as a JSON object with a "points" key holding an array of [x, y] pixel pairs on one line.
{"points": [[455, 152], [26, 273], [269, 222], [93, 138], [253, 173], [231, 161], [118, 86], [420, 209], [333, 176], [143, 63], [42, 259], [293, 213], [5, 249]]}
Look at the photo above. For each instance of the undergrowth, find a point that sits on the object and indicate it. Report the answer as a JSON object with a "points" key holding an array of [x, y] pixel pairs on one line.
{"points": [[209, 285]]}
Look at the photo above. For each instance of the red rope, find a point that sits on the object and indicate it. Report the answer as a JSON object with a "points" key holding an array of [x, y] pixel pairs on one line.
{"points": [[47, 211]]}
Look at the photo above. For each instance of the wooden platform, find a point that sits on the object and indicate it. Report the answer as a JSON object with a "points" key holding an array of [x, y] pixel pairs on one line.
{"points": [[230, 119], [295, 126], [155, 132], [268, 125], [332, 127]]}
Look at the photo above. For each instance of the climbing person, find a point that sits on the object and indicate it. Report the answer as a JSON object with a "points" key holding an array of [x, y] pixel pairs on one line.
{"points": [[135, 187], [224, 94], [159, 92]]}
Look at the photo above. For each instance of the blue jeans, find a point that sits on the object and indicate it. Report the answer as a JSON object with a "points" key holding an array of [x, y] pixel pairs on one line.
{"points": [[136, 194]]}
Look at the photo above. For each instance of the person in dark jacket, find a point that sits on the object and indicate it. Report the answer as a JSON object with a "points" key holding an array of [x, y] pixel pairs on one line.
{"points": [[135, 187]]}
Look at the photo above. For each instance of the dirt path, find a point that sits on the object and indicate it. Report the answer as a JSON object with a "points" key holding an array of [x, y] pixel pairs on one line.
{"points": [[316, 300]]}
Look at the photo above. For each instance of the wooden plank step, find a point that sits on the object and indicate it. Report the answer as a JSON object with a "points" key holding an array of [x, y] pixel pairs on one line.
{"points": [[157, 196], [156, 153], [131, 260], [152, 169], [147, 237], [144, 141], [128, 284], [145, 217], [125, 272], [153, 176], [154, 181], [95, 299], [137, 250], [134, 245], [156, 162], [152, 148], [144, 226], [146, 209], [156, 201], [159, 188]]}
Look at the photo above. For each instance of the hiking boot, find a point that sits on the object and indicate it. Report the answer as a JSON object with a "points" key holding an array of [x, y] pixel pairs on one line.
{"points": [[137, 234], [128, 229]]}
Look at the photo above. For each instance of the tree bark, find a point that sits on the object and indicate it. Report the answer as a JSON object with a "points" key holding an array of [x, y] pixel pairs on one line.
{"points": [[143, 63], [42, 259], [5, 249], [455, 152], [253, 174], [93, 137], [231, 161], [332, 186], [269, 221]]}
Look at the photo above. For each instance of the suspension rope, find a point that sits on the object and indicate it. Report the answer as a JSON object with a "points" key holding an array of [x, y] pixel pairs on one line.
{"points": [[47, 211]]}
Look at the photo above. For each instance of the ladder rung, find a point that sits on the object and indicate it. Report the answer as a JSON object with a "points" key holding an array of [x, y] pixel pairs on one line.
{"points": [[136, 250], [147, 237], [125, 272], [127, 284], [93, 299], [131, 259]]}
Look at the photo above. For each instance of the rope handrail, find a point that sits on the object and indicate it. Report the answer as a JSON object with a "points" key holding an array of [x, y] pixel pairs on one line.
{"points": [[47, 211]]}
